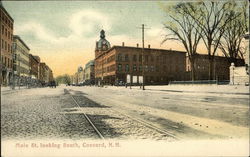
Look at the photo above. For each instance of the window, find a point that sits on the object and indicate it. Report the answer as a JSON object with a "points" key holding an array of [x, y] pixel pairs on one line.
{"points": [[152, 68], [119, 67], [134, 58], [5, 32], [146, 68], [5, 61], [146, 58], [126, 58], [2, 44], [2, 29], [8, 48], [152, 58], [140, 68], [134, 67], [127, 68], [157, 68], [5, 45], [119, 57], [140, 58]]}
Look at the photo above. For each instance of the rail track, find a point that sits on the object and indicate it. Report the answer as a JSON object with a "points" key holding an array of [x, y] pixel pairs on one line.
{"points": [[144, 123], [86, 116]]}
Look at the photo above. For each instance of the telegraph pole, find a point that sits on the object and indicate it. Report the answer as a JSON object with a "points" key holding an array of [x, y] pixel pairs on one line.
{"points": [[143, 79]]}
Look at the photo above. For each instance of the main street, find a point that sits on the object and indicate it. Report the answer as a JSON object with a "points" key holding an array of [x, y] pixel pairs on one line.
{"points": [[123, 113]]}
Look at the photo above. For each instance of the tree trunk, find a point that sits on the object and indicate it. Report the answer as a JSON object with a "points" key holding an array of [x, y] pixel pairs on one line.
{"points": [[192, 60], [211, 68]]}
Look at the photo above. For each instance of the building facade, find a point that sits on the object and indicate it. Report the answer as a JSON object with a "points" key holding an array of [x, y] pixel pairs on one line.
{"points": [[21, 61], [34, 69], [80, 76], [89, 73], [220, 67], [6, 38], [122, 64]]}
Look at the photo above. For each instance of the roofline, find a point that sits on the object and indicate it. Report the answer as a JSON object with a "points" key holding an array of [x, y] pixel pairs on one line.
{"points": [[206, 55], [1, 6], [19, 38], [34, 57], [116, 46]]}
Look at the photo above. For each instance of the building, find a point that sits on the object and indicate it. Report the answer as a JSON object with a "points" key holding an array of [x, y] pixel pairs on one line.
{"points": [[21, 61], [34, 69], [6, 38], [80, 76], [45, 74], [89, 73], [123, 64], [220, 67]]}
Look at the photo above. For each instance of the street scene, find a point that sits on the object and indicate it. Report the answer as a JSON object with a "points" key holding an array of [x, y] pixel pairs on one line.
{"points": [[82, 74], [187, 114]]}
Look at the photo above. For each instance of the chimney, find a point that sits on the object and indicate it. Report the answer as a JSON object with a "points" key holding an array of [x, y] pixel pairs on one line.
{"points": [[123, 44], [137, 45], [149, 46]]}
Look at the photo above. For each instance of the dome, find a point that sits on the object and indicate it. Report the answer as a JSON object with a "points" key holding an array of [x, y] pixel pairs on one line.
{"points": [[102, 44], [80, 69]]}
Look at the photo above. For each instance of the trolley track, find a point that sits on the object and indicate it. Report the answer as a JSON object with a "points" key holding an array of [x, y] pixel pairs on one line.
{"points": [[142, 122], [86, 116]]}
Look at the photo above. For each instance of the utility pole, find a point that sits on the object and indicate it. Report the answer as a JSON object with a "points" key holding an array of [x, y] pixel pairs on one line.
{"points": [[143, 79], [19, 70]]}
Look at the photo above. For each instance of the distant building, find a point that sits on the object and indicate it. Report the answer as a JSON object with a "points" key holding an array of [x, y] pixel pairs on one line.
{"points": [[80, 75], [220, 67], [6, 38], [122, 64], [34, 66], [21, 60], [89, 73], [45, 74]]}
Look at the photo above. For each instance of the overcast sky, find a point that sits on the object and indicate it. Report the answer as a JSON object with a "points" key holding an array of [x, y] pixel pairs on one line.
{"points": [[63, 33]]}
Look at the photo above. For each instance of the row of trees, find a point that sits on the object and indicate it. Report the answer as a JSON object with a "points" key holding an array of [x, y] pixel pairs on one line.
{"points": [[220, 25], [63, 79]]}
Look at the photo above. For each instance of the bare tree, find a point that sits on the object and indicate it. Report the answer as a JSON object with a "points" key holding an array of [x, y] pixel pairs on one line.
{"points": [[183, 29], [231, 43], [212, 18]]}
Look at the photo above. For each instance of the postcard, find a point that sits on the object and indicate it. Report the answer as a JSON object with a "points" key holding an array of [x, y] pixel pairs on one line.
{"points": [[124, 78]]}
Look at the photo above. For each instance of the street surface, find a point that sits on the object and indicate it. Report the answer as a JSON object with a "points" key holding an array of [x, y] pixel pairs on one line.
{"points": [[48, 113]]}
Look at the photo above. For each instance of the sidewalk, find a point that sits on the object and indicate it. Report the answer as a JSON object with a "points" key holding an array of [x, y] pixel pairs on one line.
{"points": [[212, 89], [4, 89]]}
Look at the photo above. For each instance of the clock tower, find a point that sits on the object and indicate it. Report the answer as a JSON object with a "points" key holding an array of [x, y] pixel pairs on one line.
{"points": [[102, 45]]}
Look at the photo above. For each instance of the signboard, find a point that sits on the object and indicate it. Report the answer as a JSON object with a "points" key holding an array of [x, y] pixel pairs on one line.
{"points": [[128, 79], [140, 79], [134, 79]]}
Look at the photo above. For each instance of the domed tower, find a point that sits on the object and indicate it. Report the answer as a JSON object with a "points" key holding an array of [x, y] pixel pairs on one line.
{"points": [[79, 69], [101, 45]]}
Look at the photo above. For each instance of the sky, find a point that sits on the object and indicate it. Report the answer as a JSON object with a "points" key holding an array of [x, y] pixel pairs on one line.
{"points": [[63, 33]]}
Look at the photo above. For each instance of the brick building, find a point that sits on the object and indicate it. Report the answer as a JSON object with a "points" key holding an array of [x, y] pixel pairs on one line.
{"points": [[118, 64], [220, 67], [6, 38], [34, 66], [21, 60]]}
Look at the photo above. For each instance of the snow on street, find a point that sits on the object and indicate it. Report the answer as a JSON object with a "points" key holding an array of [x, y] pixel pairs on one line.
{"points": [[189, 112], [223, 113]]}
